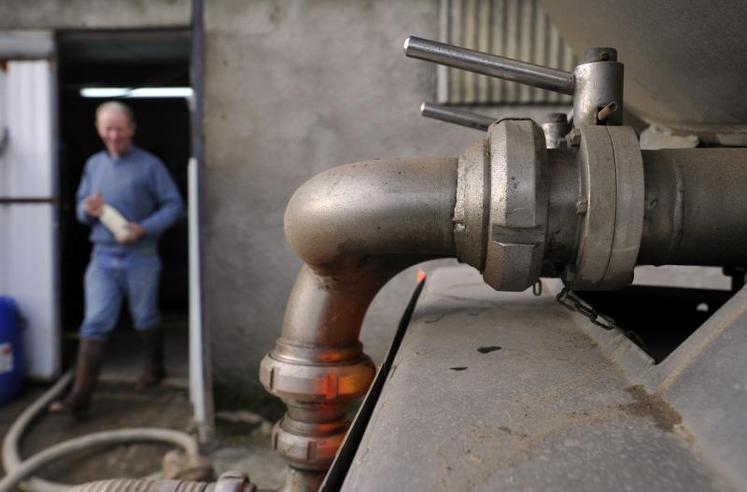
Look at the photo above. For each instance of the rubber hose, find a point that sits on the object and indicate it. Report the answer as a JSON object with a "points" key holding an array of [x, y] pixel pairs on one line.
{"points": [[11, 443], [19, 470]]}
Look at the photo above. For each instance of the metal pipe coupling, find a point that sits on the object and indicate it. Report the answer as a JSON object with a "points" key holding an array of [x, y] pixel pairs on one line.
{"points": [[317, 395], [500, 216], [610, 209], [503, 221]]}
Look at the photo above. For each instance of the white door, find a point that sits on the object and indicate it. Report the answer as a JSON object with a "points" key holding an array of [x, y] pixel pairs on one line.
{"points": [[28, 210]]}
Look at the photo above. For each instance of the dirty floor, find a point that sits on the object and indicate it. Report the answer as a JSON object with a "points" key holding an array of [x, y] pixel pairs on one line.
{"points": [[242, 445]]}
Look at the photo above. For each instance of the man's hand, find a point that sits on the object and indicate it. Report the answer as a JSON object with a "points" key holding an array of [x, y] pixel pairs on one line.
{"points": [[94, 205], [135, 233]]}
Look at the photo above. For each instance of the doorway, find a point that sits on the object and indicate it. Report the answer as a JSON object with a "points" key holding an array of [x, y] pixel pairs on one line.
{"points": [[93, 67]]}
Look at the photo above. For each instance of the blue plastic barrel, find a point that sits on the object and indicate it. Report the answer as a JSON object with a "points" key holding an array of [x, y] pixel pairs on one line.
{"points": [[11, 351]]}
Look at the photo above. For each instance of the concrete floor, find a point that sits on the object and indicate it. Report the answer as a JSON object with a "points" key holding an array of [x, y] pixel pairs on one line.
{"points": [[242, 446], [122, 362], [239, 446]]}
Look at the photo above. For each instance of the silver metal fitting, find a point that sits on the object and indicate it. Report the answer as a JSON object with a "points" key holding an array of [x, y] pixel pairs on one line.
{"points": [[308, 446], [234, 481], [612, 221], [469, 212], [502, 212], [518, 205], [501, 208], [316, 383], [598, 86]]}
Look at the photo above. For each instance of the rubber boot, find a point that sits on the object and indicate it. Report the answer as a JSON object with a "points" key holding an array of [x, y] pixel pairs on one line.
{"points": [[87, 367], [153, 371]]}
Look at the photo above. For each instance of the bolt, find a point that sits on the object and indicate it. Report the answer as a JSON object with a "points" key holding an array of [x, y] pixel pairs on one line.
{"points": [[573, 139], [600, 55], [556, 118], [581, 206], [606, 112]]}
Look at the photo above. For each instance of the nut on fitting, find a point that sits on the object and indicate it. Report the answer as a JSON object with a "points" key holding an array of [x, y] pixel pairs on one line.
{"points": [[500, 220], [308, 446], [316, 383]]}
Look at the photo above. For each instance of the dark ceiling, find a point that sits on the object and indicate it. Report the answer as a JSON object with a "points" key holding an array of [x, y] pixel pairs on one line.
{"points": [[124, 47], [123, 58]]}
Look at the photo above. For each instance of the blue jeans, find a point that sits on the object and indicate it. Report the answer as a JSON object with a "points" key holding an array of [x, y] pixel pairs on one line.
{"points": [[110, 277]]}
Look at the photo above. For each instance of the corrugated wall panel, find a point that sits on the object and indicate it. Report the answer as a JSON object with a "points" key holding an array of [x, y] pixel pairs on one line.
{"points": [[26, 165], [28, 270], [513, 28]]}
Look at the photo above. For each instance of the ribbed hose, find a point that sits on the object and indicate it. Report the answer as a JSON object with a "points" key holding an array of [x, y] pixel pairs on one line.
{"points": [[141, 485], [20, 470]]}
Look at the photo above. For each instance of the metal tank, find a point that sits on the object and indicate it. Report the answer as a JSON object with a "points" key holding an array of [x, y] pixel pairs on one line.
{"points": [[684, 61]]}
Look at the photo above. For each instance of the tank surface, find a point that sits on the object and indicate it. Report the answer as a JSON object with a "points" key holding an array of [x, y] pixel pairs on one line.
{"points": [[685, 62]]}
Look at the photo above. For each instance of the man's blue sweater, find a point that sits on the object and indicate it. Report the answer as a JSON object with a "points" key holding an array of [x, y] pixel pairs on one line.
{"points": [[138, 185]]}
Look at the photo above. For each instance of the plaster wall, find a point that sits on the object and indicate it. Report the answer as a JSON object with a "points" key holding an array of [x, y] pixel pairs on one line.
{"points": [[293, 88], [81, 14]]}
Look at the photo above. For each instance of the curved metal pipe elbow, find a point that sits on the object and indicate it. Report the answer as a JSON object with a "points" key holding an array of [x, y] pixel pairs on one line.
{"points": [[355, 227], [382, 207]]}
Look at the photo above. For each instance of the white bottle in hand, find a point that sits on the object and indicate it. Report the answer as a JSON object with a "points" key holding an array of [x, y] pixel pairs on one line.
{"points": [[115, 222]]}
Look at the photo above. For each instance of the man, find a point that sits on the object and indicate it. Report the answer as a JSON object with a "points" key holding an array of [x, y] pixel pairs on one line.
{"points": [[138, 186]]}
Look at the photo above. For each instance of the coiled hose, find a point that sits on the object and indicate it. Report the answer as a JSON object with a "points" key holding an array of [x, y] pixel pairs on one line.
{"points": [[18, 470]]}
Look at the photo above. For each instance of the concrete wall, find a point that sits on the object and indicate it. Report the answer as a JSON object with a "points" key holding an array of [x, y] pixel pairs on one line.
{"points": [[293, 88], [99, 14]]}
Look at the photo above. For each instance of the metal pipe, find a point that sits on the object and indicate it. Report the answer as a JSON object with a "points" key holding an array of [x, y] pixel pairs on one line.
{"points": [[456, 116], [355, 227], [696, 207], [379, 207], [509, 207], [201, 380], [562, 216], [492, 65]]}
